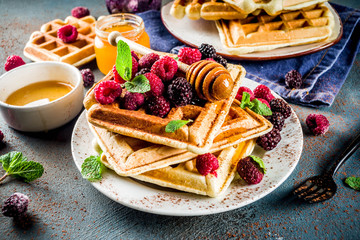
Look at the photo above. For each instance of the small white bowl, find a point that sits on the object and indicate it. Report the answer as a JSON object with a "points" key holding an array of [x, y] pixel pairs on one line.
{"points": [[47, 115]]}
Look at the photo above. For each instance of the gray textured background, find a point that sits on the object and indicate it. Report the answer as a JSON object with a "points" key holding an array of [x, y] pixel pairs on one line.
{"points": [[64, 206]]}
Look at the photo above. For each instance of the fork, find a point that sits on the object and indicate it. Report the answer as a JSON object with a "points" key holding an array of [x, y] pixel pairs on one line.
{"points": [[323, 187]]}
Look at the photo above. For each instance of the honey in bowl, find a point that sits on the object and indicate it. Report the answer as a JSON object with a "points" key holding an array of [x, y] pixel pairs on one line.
{"points": [[39, 93]]}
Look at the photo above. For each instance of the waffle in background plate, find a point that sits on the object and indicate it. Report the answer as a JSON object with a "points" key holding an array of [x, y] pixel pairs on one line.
{"points": [[130, 156], [264, 32], [44, 45]]}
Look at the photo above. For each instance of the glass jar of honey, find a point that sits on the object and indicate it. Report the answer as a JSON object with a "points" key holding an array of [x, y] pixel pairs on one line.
{"points": [[129, 25]]}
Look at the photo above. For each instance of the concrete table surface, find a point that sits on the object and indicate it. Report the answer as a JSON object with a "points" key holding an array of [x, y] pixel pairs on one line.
{"points": [[65, 206]]}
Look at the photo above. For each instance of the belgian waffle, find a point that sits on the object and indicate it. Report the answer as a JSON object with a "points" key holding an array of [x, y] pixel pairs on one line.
{"points": [[264, 32], [130, 156], [44, 45]]}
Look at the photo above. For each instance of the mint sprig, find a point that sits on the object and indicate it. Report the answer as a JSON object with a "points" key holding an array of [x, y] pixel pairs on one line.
{"points": [[140, 84], [259, 161], [124, 60], [15, 164], [174, 125], [353, 182], [255, 105], [92, 168]]}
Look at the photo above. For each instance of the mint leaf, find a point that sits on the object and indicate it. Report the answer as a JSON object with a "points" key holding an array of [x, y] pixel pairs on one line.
{"points": [[259, 161], [26, 170], [124, 60], [92, 168], [174, 125], [245, 101], [260, 108], [7, 158], [140, 84], [353, 182]]}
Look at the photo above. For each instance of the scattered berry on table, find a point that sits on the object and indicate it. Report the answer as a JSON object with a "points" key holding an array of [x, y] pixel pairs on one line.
{"points": [[117, 76], [279, 105], [293, 79], [1, 136], [148, 60], [317, 123], [133, 54], [221, 60], [180, 92], [250, 171], [157, 106], [88, 77], [244, 89], [13, 61], [262, 91], [270, 140], [277, 119], [133, 101], [207, 163], [189, 55], [165, 68], [142, 71], [207, 51], [67, 33], [80, 12], [107, 91], [156, 85], [264, 101], [15, 206]]}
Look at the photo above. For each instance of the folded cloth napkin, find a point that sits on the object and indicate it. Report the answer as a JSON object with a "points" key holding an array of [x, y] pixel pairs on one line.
{"points": [[323, 72]]}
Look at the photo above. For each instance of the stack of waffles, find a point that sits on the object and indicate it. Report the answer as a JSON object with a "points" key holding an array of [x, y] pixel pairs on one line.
{"points": [[44, 45], [247, 26], [135, 144]]}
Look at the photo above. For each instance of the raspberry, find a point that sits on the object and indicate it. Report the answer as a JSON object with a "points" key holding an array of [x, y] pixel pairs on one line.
{"points": [[277, 119], [207, 163], [165, 68], [189, 55], [156, 85], [117, 76], [263, 92], [293, 79], [1, 136], [13, 61], [16, 205], [270, 140], [88, 77], [244, 89], [157, 106], [67, 33], [264, 101], [148, 60], [207, 51], [221, 60], [133, 101], [142, 71], [210, 59], [180, 92], [250, 171], [107, 91], [279, 105], [135, 55], [317, 123], [80, 12]]}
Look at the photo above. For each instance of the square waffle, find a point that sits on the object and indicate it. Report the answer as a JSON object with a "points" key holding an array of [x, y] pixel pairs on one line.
{"points": [[44, 45], [196, 136], [130, 156], [264, 32]]}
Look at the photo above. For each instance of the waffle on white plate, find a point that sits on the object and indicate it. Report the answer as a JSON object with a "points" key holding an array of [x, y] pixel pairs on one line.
{"points": [[130, 156], [264, 32], [44, 45]]}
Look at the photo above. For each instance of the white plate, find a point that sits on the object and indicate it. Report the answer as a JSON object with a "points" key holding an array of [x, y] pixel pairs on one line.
{"points": [[280, 162], [194, 33]]}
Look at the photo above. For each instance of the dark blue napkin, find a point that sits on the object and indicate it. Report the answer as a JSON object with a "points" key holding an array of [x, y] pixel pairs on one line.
{"points": [[324, 72]]}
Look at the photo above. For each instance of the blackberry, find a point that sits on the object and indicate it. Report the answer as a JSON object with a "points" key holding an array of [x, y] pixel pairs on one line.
{"points": [[133, 101], [88, 77], [207, 51], [270, 140], [142, 71], [277, 119], [16, 205], [180, 92], [197, 101], [221, 60], [157, 106], [293, 79], [279, 105]]}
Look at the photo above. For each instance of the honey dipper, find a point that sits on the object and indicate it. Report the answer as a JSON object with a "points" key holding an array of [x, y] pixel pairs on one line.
{"points": [[210, 79]]}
